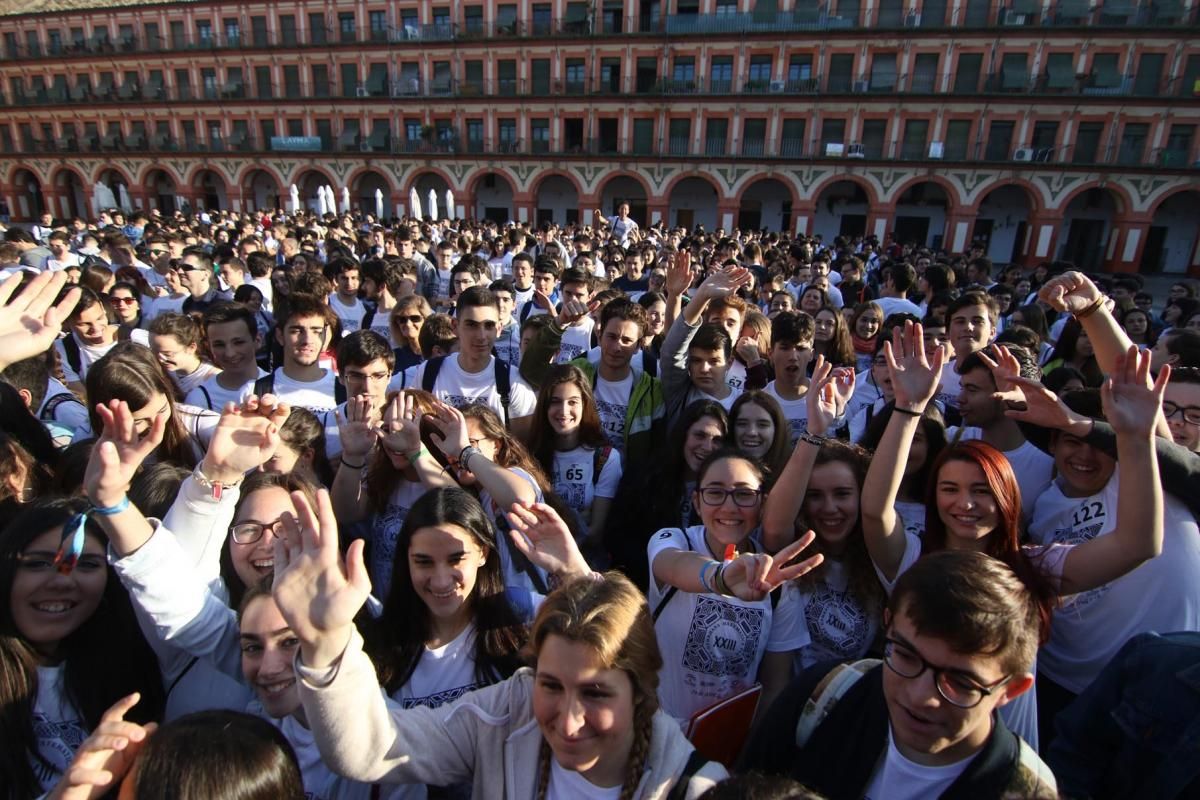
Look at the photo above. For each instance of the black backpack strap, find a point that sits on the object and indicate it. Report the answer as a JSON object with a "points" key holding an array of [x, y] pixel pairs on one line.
{"points": [[600, 457], [339, 391], [265, 385], [53, 403], [503, 385], [207, 397], [429, 376], [649, 363], [367, 319], [694, 764], [526, 310], [71, 348]]}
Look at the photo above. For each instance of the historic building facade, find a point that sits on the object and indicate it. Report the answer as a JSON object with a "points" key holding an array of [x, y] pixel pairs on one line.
{"points": [[1043, 128]]}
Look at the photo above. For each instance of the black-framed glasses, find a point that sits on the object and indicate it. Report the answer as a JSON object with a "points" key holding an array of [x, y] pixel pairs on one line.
{"points": [[1191, 414], [955, 688], [415, 319], [251, 532], [743, 496]]}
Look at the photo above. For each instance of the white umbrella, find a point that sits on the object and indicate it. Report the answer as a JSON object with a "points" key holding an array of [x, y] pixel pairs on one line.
{"points": [[126, 205], [295, 193], [414, 204], [450, 204], [106, 197], [322, 202], [97, 203], [330, 200], [379, 205], [433, 205], [345, 199]]}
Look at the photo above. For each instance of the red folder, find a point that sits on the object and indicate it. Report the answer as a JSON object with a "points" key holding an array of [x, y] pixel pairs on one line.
{"points": [[719, 731]]}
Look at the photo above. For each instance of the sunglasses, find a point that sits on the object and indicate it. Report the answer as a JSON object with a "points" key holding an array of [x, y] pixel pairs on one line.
{"points": [[124, 301], [415, 320]]}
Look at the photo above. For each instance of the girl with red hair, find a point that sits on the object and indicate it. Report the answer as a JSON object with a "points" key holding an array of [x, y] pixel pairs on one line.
{"points": [[973, 501]]}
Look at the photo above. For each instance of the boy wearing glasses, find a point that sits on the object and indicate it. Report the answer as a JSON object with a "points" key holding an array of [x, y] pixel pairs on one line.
{"points": [[365, 362], [961, 636], [1181, 407]]}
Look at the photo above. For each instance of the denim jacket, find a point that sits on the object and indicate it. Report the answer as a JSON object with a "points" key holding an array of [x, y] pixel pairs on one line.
{"points": [[1135, 732]]}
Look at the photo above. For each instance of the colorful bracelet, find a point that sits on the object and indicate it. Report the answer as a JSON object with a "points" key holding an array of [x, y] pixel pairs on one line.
{"points": [[416, 454], [111, 510], [1092, 309]]}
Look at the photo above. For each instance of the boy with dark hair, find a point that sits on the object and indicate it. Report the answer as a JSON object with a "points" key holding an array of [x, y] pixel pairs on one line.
{"points": [[46, 397], [1181, 407], [961, 633], [792, 335], [522, 279], [231, 331], [88, 338], [898, 278], [971, 322], [303, 334], [1179, 348], [365, 362], [508, 341], [437, 336], [344, 300], [577, 337]]}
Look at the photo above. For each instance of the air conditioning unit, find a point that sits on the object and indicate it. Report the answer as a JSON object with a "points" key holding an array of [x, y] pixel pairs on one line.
{"points": [[778, 86], [936, 149], [856, 151], [862, 87], [1024, 154], [834, 150], [1013, 18], [362, 92]]}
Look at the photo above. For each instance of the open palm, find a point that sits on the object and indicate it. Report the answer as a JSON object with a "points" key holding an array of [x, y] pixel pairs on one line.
{"points": [[30, 321], [542, 535], [1131, 402], [914, 378]]}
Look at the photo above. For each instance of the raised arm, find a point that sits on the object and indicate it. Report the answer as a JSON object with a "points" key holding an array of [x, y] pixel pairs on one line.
{"points": [[1074, 293], [359, 437], [749, 576], [505, 486], [827, 393], [30, 322], [1130, 405], [914, 381]]}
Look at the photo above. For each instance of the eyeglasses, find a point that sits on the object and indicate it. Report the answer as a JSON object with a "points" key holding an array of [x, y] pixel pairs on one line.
{"points": [[475, 442], [1191, 414], [415, 319], [742, 497], [377, 377], [124, 301], [957, 690], [251, 532]]}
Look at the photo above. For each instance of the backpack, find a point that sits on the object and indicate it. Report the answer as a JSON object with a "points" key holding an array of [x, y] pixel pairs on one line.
{"points": [[74, 357], [51, 405], [266, 385], [599, 458], [776, 593], [503, 380]]}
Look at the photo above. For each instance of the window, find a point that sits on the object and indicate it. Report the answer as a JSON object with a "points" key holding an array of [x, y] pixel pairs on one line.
{"points": [[720, 74], [646, 76], [715, 136], [380, 140], [233, 33], [204, 34], [54, 41], [208, 80], [610, 75], [262, 83], [320, 80], [925, 74], [473, 78], [799, 76], [1087, 143], [474, 136], [833, 131], [966, 77], [1014, 72], [727, 7], [190, 141], [267, 130], [1179, 146], [759, 77], [33, 45], [874, 138], [1149, 72], [412, 131], [643, 136], [346, 27], [473, 19], [916, 133], [349, 77], [183, 84], [506, 77], [379, 25], [680, 137], [152, 38], [841, 72], [1045, 140], [258, 31], [443, 80], [1000, 141], [178, 39], [325, 133], [506, 20], [754, 137], [542, 19], [576, 73], [683, 72], [377, 80], [316, 28], [508, 135], [883, 72], [792, 145], [1133, 143], [291, 81], [6, 139], [295, 127], [287, 29], [958, 140], [539, 75], [539, 135], [1060, 72]]}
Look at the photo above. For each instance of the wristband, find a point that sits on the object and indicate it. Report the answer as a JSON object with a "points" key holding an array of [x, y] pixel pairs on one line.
{"points": [[464, 457], [812, 438], [416, 454], [215, 487], [908, 412], [111, 510], [354, 466], [1092, 309], [719, 581], [704, 568]]}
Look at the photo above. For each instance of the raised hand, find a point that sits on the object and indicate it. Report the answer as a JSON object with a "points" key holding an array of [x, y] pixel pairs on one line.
{"points": [[821, 398], [317, 592], [540, 533], [246, 438], [1131, 403], [453, 426], [752, 576], [724, 282], [573, 311], [106, 756], [1071, 292], [1034, 403], [914, 378], [402, 424], [747, 349], [356, 428], [679, 274], [118, 453], [30, 322], [542, 301], [1004, 369]]}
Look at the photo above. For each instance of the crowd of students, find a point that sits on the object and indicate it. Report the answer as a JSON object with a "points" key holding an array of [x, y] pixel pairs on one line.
{"points": [[355, 509]]}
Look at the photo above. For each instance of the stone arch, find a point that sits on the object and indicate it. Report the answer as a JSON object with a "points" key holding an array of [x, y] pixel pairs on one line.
{"points": [[1174, 233], [105, 168], [491, 198], [761, 204], [1089, 216], [262, 190], [869, 189], [1167, 194], [628, 187], [363, 184], [1123, 201], [556, 197], [921, 214], [304, 170], [693, 198], [954, 198], [161, 189], [210, 189], [74, 191], [28, 194], [1005, 213], [117, 181], [842, 208], [423, 181], [307, 180]]}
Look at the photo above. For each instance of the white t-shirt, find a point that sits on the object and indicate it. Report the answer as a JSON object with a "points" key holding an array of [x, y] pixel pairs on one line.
{"points": [[712, 646], [57, 725], [951, 385], [351, 315], [1033, 469], [796, 411], [576, 340], [460, 388], [514, 576], [913, 517], [316, 396], [508, 344], [443, 276], [612, 404], [574, 480], [320, 782], [897, 778], [839, 625], [1162, 594], [381, 324], [443, 674], [735, 377], [385, 527], [726, 403], [88, 354], [202, 373], [567, 784], [898, 305], [212, 395]]}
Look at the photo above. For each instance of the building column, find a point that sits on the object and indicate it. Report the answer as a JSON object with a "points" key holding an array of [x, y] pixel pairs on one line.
{"points": [[1130, 232], [658, 209], [880, 220], [957, 236], [727, 213], [1044, 232], [803, 217], [524, 206]]}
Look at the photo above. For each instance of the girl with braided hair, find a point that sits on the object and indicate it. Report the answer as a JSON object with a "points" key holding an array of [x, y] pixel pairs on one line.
{"points": [[582, 722]]}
